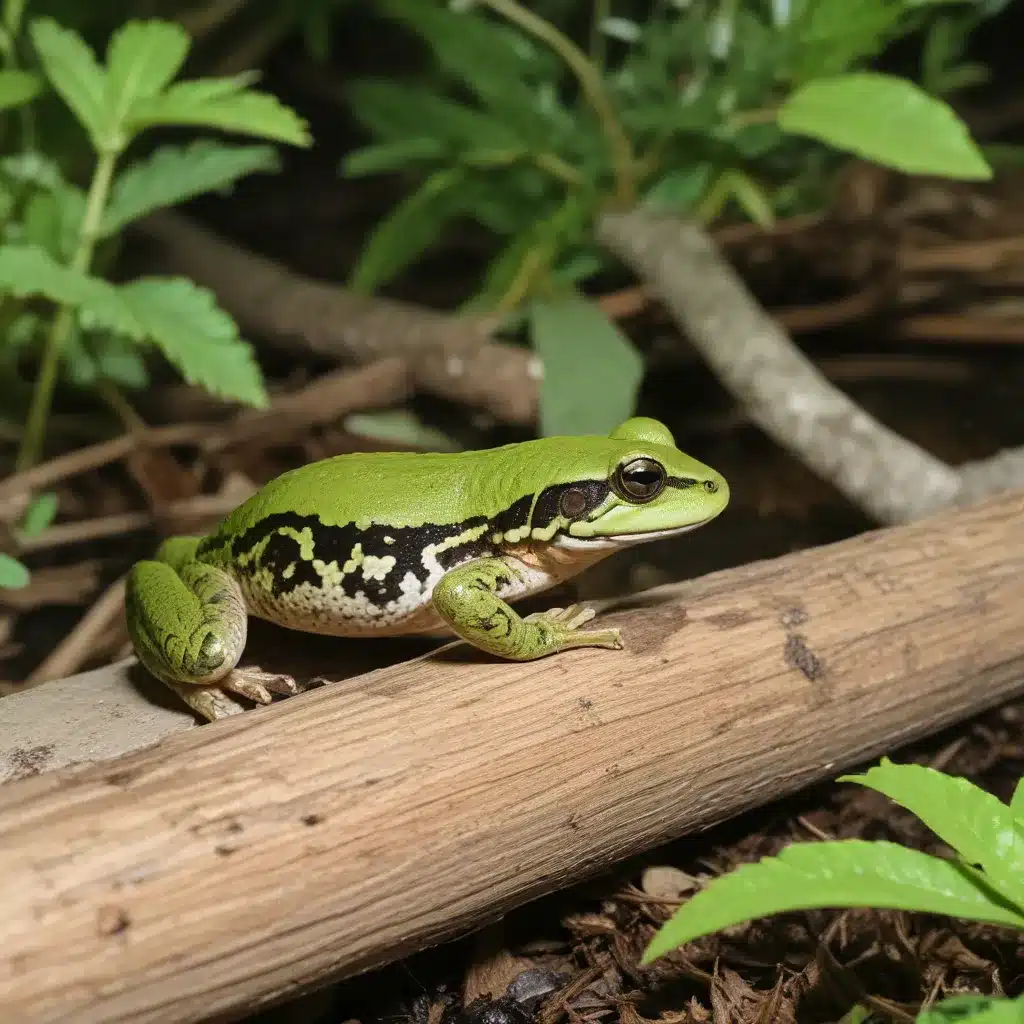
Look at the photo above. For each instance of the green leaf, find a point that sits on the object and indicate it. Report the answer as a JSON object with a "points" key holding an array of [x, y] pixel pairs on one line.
{"points": [[978, 825], [1017, 802], [13, 575], [391, 156], [396, 111], [198, 337], [210, 104], [411, 228], [18, 87], [885, 119], [174, 174], [26, 271], [592, 371], [142, 59], [119, 360], [681, 188], [973, 1009], [39, 514], [844, 873], [75, 74], [400, 426]]}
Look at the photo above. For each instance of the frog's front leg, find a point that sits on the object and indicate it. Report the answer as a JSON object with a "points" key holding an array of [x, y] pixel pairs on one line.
{"points": [[188, 624], [467, 599]]}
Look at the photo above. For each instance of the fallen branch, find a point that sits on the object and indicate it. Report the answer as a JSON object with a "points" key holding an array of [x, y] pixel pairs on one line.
{"points": [[448, 356], [784, 393], [241, 862]]}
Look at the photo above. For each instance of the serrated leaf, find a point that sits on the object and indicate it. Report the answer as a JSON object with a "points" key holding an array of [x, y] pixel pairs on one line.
{"points": [[592, 371], [13, 575], [411, 228], [978, 825], [198, 337], [199, 103], [391, 156], [39, 515], [142, 59], [27, 271], [74, 73], [839, 874], [885, 119], [972, 1009], [18, 87], [174, 174]]}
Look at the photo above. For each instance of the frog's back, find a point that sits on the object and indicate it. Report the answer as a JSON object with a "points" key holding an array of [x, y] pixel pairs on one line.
{"points": [[354, 545]]}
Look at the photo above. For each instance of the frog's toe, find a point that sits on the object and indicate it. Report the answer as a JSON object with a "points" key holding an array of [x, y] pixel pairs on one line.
{"points": [[246, 685], [275, 682], [211, 702], [570, 618]]}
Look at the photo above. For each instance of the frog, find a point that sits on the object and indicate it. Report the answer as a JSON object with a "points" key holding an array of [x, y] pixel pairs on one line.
{"points": [[401, 543]]}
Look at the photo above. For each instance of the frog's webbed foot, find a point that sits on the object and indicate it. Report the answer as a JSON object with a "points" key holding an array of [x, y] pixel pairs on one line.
{"points": [[467, 599]]}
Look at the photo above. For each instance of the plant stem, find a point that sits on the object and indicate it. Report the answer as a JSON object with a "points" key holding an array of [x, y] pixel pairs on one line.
{"points": [[602, 9], [60, 329], [589, 77]]}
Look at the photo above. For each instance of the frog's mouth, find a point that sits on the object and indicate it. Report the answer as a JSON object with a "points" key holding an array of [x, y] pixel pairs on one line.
{"points": [[620, 540]]}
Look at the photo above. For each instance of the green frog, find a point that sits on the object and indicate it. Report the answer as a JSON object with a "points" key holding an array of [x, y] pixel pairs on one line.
{"points": [[397, 543]]}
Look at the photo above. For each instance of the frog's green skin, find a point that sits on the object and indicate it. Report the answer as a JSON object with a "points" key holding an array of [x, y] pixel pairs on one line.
{"points": [[398, 543]]}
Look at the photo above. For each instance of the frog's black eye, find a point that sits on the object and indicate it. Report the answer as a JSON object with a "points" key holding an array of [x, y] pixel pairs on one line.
{"points": [[640, 480]]}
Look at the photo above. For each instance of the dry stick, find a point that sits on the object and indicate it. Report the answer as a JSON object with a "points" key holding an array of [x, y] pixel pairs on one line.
{"points": [[448, 356], [792, 401], [324, 400], [240, 862], [74, 650]]}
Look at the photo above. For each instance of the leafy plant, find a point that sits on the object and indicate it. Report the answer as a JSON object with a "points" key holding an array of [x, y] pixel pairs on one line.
{"points": [[56, 238], [984, 881], [711, 110]]}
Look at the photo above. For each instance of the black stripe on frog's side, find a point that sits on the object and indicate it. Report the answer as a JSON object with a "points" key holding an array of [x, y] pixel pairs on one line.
{"points": [[595, 493], [336, 544], [680, 482]]}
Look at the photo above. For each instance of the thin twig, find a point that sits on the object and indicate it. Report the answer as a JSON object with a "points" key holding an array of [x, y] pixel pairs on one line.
{"points": [[74, 650]]}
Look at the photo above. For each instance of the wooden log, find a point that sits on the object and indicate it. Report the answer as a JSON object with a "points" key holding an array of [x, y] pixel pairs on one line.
{"points": [[234, 864]]}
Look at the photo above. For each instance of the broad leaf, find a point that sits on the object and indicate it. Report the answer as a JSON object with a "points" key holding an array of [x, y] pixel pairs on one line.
{"points": [[13, 575], [400, 426], [142, 59], [1017, 803], [198, 337], [39, 514], [118, 359], [411, 228], [175, 174], [885, 119], [75, 74], [27, 271], [978, 825], [971, 1009], [18, 87], [198, 103], [845, 873], [591, 370]]}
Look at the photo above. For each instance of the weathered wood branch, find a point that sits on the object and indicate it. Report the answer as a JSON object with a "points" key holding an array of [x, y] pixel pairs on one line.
{"points": [[784, 393], [239, 862]]}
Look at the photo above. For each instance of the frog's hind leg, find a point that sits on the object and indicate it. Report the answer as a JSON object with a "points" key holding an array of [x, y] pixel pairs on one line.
{"points": [[188, 624]]}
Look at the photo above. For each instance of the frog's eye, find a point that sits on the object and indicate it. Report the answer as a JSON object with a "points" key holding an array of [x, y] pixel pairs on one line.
{"points": [[640, 480]]}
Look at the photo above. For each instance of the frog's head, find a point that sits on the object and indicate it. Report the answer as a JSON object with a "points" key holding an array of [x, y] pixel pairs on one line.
{"points": [[642, 488]]}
